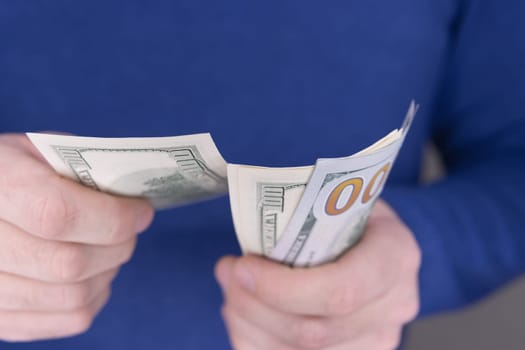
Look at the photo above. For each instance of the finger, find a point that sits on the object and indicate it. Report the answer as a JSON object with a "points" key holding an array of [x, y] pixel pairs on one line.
{"points": [[296, 331], [30, 326], [246, 316], [244, 336], [40, 202], [25, 255], [361, 275], [23, 294], [18, 146], [224, 271], [381, 211], [397, 307], [380, 339], [306, 332]]}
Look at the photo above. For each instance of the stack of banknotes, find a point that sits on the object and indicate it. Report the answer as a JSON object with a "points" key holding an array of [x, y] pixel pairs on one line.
{"points": [[300, 216]]}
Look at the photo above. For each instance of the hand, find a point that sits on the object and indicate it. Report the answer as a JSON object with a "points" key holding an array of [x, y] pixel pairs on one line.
{"points": [[61, 245], [359, 302]]}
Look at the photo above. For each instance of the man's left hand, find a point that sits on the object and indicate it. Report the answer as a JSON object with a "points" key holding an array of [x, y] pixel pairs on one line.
{"points": [[361, 301]]}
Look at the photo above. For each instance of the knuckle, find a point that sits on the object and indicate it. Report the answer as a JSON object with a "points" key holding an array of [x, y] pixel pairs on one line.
{"points": [[411, 260], [341, 300], [119, 228], [131, 249], [75, 296], [388, 339], [67, 263], [410, 310], [230, 320], [418, 257], [407, 266], [80, 321], [52, 213], [405, 306], [310, 334], [127, 250], [226, 314]]}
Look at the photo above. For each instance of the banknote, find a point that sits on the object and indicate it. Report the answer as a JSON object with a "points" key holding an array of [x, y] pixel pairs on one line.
{"points": [[169, 171], [262, 202], [280, 212], [335, 206]]}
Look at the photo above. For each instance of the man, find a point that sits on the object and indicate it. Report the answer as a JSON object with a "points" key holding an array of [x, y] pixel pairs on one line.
{"points": [[277, 83]]}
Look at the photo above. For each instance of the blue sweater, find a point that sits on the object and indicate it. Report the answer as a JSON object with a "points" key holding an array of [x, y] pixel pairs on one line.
{"points": [[282, 83]]}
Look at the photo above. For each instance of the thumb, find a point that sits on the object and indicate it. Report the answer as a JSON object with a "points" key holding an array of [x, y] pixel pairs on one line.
{"points": [[224, 270]]}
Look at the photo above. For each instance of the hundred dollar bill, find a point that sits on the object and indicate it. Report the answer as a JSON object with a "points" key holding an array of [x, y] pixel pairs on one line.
{"points": [[334, 208], [262, 202], [169, 171], [266, 201]]}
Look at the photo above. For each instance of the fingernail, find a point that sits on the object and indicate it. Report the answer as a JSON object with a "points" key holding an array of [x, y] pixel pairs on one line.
{"points": [[245, 278]]}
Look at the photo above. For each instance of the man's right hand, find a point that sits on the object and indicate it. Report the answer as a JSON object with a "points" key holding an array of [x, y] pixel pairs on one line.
{"points": [[61, 245]]}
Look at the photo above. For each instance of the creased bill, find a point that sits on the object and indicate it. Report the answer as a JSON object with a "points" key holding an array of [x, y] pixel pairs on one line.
{"points": [[169, 171]]}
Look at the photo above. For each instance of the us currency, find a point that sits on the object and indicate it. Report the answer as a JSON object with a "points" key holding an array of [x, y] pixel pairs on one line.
{"points": [[169, 171], [309, 215], [262, 201], [335, 206]]}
